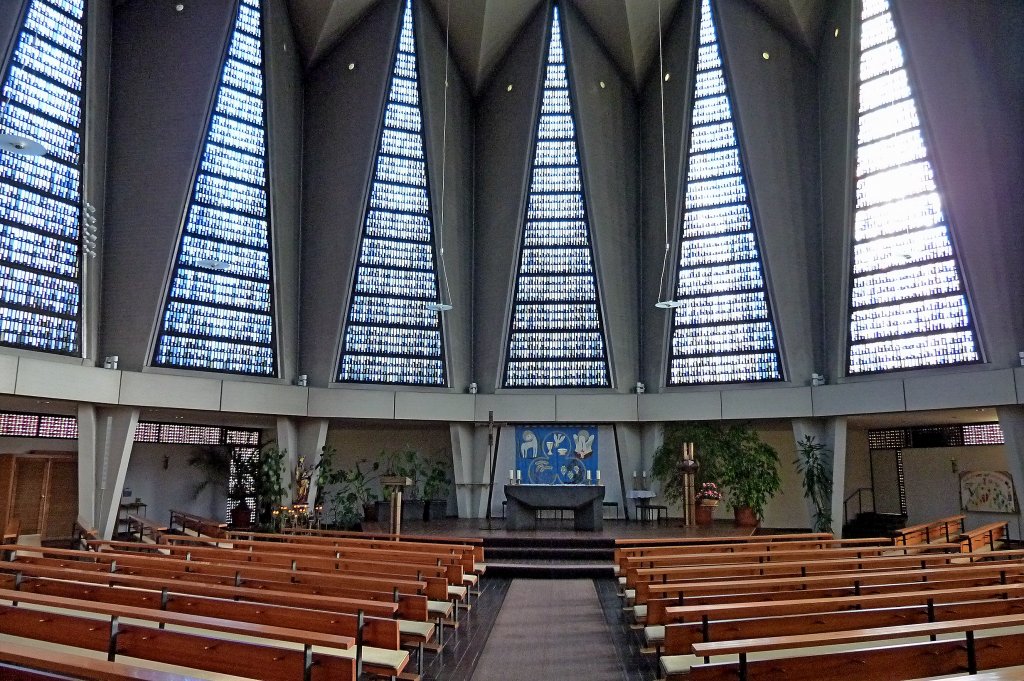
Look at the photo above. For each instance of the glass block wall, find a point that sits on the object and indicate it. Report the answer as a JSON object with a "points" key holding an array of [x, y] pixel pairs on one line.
{"points": [[556, 337], [391, 336], [219, 313], [908, 305], [40, 196], [723, 331]]}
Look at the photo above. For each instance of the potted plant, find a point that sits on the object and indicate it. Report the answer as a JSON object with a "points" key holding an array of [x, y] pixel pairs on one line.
{"points": [[218, 462], [435, 491], [713, 446], [751, 476], [269, 479], [405, 467], [814, 463], [708, 496]]}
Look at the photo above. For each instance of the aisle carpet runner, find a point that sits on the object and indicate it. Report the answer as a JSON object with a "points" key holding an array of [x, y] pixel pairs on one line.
{"points": [[549, 630]]}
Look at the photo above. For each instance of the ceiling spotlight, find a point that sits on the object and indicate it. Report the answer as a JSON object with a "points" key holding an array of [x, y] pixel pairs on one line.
{"points": [[508, 88], [352, 66], [22, 146], [765, 56]]}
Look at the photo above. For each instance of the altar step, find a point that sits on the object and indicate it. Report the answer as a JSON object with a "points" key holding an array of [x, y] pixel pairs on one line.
{"points": [[556, 557]]}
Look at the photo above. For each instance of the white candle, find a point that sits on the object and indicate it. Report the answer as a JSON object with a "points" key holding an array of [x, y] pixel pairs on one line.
{"points": [[599, 476], [588, 476], [519, 476], [634, 474], [644, 474], [511, 474]]}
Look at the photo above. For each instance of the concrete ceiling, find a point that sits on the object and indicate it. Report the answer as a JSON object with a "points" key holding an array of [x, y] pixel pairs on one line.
{"points": [[482, 30]]}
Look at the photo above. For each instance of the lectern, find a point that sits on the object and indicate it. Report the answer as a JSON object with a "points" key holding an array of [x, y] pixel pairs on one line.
{"points": [[397, 484]]}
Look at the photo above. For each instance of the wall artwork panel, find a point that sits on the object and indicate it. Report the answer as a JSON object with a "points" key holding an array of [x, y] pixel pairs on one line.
{"points": [[556, 455], [987, 492]]}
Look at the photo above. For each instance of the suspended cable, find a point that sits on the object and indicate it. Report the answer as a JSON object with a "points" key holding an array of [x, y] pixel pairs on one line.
{"points": [[444, 297], [668, 303]]}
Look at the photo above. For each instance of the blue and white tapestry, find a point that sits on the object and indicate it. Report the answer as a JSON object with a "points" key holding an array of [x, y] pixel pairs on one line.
{"points": [[556, 455]]}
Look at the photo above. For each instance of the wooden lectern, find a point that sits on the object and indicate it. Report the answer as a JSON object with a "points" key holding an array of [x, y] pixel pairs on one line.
{"points": [[397, 484]]}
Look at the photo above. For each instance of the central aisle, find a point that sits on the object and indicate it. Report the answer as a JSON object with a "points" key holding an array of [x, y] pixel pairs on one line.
{"points": [[550, 630]]}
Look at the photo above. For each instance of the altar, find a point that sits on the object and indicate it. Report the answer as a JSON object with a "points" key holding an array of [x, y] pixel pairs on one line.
{"points": [[585, 501]]}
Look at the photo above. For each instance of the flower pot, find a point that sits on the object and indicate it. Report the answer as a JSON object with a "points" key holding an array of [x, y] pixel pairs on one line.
{"points": [[436, 509], [412, 509], [745, 517], [704, 514]]}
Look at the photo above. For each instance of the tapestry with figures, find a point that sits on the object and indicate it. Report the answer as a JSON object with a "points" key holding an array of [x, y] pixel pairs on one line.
{"points": [[557, 455]]}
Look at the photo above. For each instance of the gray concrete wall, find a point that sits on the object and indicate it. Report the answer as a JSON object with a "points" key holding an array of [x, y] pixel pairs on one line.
{"points": [[343, 113], [164, 70]]}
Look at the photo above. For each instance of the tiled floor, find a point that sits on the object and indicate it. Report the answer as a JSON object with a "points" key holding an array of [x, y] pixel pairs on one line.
{"points": [[459, 658]]}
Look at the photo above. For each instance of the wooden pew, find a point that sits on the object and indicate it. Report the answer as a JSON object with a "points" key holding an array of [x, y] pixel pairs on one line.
{"points": [[197, 523], [199, 644], [145, 529], [814, 586], [942, 530], [988, 537], [1002, 674], [377, 637], [17, 658], [694, 541], [968, 652], [679, 638], [475, 542]]}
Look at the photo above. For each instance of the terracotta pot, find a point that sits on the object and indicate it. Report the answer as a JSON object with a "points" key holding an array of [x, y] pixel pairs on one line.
{"points": [[745, 517], [705, 514]]}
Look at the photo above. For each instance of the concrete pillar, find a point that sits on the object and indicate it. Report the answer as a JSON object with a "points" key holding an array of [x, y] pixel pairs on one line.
{"points": [[301, 438], [471, 466], [105, 439], [1011, 420], [832, 433]]}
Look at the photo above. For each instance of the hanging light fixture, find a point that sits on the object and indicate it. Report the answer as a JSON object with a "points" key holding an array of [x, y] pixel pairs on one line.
{"points": [[443, 303], [668, 302], [21, 146]]}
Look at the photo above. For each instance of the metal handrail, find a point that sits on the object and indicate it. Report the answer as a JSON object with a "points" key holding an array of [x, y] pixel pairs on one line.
{"points": [[860, 503]]}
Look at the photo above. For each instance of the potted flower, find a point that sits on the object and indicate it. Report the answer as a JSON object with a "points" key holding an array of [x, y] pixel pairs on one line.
{"points": [[708, 497]]}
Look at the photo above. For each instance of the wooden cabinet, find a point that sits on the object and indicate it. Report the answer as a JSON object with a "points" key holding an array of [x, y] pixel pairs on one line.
{"points": [[40, 489]]}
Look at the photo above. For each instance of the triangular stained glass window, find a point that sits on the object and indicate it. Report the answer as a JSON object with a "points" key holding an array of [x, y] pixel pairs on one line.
{"points": [[391, 335], [40, 196], [908, 305], [219, 310], [723, 330], [557, 336]]}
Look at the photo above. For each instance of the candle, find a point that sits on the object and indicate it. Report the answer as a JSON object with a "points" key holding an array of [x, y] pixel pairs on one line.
{"points": [[599, 476], [511, 475], [588, 476], [519, 476], [643, 474], [634, 474]]}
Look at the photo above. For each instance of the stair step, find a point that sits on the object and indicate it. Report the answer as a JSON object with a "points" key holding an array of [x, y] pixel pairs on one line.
{"points": [[545, 553], [540, 569]]}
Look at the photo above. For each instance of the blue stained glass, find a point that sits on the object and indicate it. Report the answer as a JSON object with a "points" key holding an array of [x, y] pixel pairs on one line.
{"points": [[908, 305], [219, 311], [40, 196], [391, 337], [723, 333], [556, 337]]}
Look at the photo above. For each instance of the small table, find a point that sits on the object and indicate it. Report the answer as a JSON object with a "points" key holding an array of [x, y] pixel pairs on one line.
{"points": [[585, 501], [642, 503]]}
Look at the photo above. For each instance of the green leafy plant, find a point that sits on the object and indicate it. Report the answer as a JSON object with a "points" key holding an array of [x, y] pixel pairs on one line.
{"points": [[814, 463], [406, 463], [713, 447], [437, 483], [269, 477], [215, 462], [752, 473]]}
